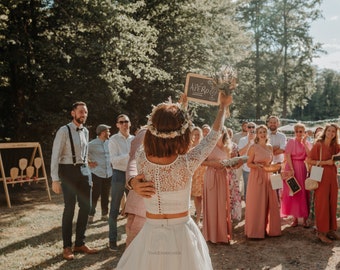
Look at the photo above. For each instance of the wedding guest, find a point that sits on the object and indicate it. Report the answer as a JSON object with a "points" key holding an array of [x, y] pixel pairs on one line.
{"points": [[198, 177], [134, 208], [236, 139], [278, 140], [244, 132], [262, 214], [217, 224], [243, 146], [311, 217], [296, 152], [205, 129], [170, 239], [71, 177], [326, 195], [235, 194], [99, 162], [119, 147]]}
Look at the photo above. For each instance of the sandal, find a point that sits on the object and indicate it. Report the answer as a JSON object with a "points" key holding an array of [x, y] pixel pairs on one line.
{"points": [[295, 223], [323, 238], [332, 235], [305, 224]]}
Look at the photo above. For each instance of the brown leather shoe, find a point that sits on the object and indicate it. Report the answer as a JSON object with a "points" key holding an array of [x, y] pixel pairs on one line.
{"points": [[67, 254], [85, 249]]}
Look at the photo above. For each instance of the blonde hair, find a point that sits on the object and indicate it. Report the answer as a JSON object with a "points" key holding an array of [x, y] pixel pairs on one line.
{"points": [[256, 140]]}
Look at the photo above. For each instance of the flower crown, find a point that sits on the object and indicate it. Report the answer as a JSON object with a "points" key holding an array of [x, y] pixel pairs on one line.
{"points": [[175, 133]]}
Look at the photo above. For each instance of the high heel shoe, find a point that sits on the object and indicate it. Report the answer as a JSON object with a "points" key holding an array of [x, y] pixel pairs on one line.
{"points": [[323, 238]]}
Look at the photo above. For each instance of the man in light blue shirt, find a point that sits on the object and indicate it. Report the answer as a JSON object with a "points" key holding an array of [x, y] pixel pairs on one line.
{"points": [[100, 164], [119, 147]]}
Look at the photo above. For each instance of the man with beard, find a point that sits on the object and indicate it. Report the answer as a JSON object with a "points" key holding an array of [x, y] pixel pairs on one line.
{"points": [[277, 139], [71, 176], [244, 132]]}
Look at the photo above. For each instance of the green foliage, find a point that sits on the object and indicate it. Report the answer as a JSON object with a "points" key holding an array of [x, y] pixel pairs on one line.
{"points": [[323, 104], [123, 56], [280, 76]]}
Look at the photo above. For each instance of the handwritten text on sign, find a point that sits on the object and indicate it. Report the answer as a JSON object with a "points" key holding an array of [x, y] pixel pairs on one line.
{"points": [[201, 89]]}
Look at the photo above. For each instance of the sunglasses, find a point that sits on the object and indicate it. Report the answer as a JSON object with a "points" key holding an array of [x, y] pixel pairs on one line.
{"points": [[123, 122], [299, 131], [251, 126]]}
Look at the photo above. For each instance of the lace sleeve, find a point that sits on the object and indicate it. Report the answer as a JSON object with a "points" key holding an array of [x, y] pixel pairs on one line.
{"points": [[199, 153]]}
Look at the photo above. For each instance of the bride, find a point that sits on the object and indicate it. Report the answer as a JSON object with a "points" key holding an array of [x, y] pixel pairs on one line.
{"points": [[170, 239]]}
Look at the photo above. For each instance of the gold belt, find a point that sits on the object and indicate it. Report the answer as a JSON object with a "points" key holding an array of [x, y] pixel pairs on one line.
{"points": [[166, 216]]}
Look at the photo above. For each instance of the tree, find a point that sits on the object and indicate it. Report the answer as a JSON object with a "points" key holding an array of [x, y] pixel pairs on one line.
{"points": [[279, 70], [324, 103]]}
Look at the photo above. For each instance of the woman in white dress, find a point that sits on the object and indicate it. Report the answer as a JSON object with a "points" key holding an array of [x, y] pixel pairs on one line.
{"points": [[170, 239]]}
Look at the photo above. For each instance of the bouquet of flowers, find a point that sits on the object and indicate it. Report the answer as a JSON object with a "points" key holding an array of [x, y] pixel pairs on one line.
{"points": [[225, 79], [234, 161]]}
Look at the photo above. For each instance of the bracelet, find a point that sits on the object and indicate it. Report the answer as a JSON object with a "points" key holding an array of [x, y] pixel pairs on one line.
{"points": [[128, 184]]}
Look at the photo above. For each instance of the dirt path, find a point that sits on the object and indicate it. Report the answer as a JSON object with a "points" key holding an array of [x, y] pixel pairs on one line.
{"points": [[30, 238]]}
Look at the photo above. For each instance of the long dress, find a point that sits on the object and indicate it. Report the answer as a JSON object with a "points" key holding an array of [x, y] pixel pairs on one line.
{"points": [[235, 194], [262, 209], [197, 182], [170, 243], [298, 204], [216, 202], [326, 195]]}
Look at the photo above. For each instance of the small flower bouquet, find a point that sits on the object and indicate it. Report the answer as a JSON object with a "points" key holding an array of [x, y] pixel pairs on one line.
{"points": [[234, 161], [225, 79]]}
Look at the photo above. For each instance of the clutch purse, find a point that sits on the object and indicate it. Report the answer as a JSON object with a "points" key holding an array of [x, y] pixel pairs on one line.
{"points": [[272, 167], [311, 184]]}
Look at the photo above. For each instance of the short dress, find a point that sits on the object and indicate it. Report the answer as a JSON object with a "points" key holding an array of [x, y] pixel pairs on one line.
{"points": [[177, 243]]}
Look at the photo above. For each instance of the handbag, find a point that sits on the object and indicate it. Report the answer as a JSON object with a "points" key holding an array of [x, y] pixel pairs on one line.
{"points": [[312, 183]]}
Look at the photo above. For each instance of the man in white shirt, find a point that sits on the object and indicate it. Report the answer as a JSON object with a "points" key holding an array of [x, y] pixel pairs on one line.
{"points": [[244, 132], [277, 139], [243, 146], [119, 148]]}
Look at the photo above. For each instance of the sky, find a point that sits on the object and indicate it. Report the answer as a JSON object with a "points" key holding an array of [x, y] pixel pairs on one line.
{"points": [[327, 31]]}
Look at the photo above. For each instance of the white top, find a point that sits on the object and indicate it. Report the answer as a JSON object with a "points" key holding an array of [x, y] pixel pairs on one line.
{"points": [[242, 143], [173, 181], [119, 148], [278, 139], [62, 152]]}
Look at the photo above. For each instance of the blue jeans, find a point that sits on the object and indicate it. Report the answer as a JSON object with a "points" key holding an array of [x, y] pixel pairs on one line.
{"points": [[117, 192], [75, 188], [245, 182]]}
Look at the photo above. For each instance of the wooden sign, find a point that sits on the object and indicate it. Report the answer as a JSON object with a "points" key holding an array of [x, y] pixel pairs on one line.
{"points": [[293, 185], [201, 89]]}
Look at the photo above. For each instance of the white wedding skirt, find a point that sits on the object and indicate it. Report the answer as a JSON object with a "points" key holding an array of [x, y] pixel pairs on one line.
{"points": [[163, 244]]}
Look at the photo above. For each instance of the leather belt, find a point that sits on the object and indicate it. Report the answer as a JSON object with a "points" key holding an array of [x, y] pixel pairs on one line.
{"points": [[166, 216]]}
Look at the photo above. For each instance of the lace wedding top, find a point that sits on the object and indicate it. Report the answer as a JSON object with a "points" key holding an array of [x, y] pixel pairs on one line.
{"points": [[173, 181]]}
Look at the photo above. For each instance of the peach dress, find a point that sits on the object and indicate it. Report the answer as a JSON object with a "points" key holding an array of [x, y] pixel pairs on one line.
{"points": [[262, 214], [216, 202]]}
